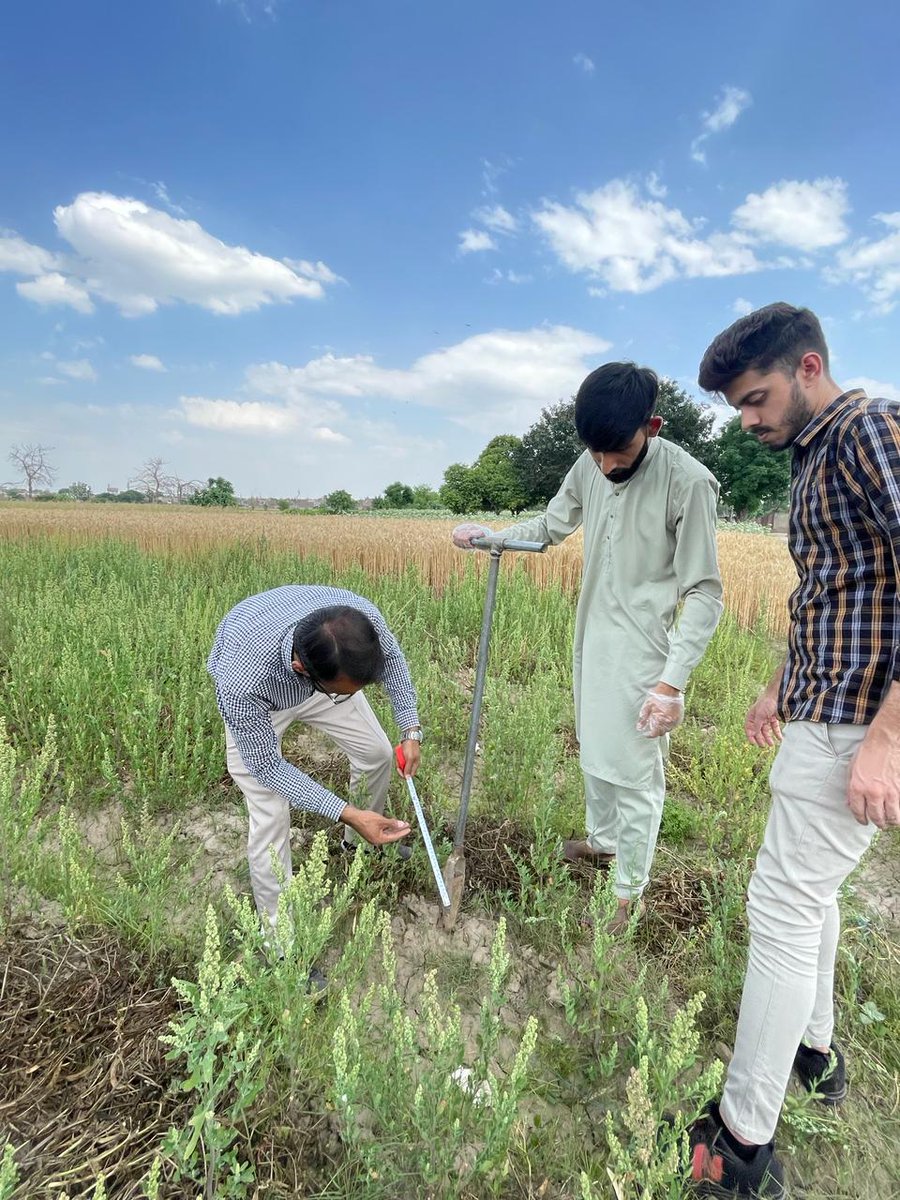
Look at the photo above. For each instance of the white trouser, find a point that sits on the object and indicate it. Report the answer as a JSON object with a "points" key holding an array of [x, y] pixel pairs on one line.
{"points": [[355, 729], [812, 843], [625, 822]]}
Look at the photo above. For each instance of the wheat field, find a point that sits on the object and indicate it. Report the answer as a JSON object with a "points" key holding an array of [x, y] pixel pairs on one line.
{"points": [[757, 572]]}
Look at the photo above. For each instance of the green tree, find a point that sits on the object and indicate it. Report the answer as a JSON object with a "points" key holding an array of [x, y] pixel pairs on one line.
{"points": [[425, 497], [339, 502], [398, 495], [79, 491], [497, 477], [547, 451], [753, 478], [684, 422], [218, 491], [131, 496], [461, 491]]}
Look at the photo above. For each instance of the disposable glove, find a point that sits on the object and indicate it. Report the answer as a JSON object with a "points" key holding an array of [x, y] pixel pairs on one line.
{"points": [[660, 714], [462, 535]]}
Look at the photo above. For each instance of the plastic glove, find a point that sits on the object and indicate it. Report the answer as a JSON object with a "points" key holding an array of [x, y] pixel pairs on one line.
{"points": [[462, 535], [660, 714]]}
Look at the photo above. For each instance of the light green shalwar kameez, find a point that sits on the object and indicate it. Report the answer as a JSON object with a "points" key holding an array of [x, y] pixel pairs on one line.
{"points": [[649, 545]]}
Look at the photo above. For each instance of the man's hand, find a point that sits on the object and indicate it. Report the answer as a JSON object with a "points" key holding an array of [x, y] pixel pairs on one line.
{"points": [[661, 712], [412, 754], [463, 534], [874, 791], [762, 726], [376, 829]]}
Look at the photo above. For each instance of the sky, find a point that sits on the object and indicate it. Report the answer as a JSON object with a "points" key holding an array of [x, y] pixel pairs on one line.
{"points": [[320, 244]]}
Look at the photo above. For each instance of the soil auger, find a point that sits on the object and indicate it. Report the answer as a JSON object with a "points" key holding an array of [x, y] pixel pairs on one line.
{"points": [[455, 866]]}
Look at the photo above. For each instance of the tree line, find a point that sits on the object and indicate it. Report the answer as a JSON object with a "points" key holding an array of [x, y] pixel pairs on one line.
{"points": [[516, 473], [511, 473]]}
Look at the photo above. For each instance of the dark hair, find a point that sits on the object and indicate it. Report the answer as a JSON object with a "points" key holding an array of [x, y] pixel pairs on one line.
{"points": [[339, 641], [613, 403], [775, 336]]}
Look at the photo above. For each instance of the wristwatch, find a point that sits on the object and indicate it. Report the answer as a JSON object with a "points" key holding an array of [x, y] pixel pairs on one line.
{"points": [[414, 735]]}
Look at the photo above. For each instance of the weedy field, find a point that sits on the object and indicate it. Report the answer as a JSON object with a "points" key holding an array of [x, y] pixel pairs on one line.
{"points": [[149, 1047]]}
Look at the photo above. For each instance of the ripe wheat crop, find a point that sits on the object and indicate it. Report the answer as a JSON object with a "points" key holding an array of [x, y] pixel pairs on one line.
{"points": [[756, 570]]}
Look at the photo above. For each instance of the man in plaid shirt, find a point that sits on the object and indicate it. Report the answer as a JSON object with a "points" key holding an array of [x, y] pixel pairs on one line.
{"points": [[836, 778], [304, 653]]}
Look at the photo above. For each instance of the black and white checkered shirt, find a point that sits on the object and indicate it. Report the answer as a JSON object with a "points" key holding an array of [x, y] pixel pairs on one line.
{"points": [[251, 664]]}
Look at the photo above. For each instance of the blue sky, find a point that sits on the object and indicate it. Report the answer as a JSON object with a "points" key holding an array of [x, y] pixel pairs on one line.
{"points": [[310, 244]]}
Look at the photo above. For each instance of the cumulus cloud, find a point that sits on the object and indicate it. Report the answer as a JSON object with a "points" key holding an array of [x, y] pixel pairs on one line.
{"points": [[490, 381], [473, 240], [585, 63], [22, 257], [634, 244], [139, 257], [147, 362], [248, 415], [79, 368], [805, 215], [54, 288], [873, 264], [731, 102], [742, 307], [497, 218]]}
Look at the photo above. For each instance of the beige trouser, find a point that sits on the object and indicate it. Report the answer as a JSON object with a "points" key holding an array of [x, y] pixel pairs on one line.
{"points": [[625, 822], [355, 729], [812, 843]]}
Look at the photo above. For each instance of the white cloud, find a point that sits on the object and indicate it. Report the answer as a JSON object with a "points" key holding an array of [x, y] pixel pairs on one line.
{"points": [[147, 362], [229, 415], [490, 382], [742, 307], [497, 218], [22, 257], [138, 258], [54, 288], [313, 270], [473, 240], [875, 387], [874, 264], [586, 64], [162, 194], [655, 186], [498, 276], [807, 216], [731, 102], [632, 244], [79, 368]]}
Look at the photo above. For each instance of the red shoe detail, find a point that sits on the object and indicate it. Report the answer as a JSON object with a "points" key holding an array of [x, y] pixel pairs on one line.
{"points": [[706, 1167]]}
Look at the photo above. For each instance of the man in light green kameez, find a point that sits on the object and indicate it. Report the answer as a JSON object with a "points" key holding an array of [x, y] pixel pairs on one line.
{"points": [[649, 515]]}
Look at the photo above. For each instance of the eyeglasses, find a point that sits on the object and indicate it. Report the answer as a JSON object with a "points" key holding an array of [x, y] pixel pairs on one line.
{"points": [[334, 697]]}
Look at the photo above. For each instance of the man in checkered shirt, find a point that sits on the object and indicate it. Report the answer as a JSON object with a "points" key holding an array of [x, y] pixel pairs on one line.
{"points": [[836, 777], [305, 653]]}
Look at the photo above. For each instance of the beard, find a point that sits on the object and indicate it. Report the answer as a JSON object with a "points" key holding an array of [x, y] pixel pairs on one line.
{"points": [[797, 416], [623, 474]]}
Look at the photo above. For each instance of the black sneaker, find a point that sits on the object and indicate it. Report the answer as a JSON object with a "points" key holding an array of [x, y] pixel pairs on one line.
{"points": [[718, 1170], [822, 1074], [400, 849], [317, 984]]}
